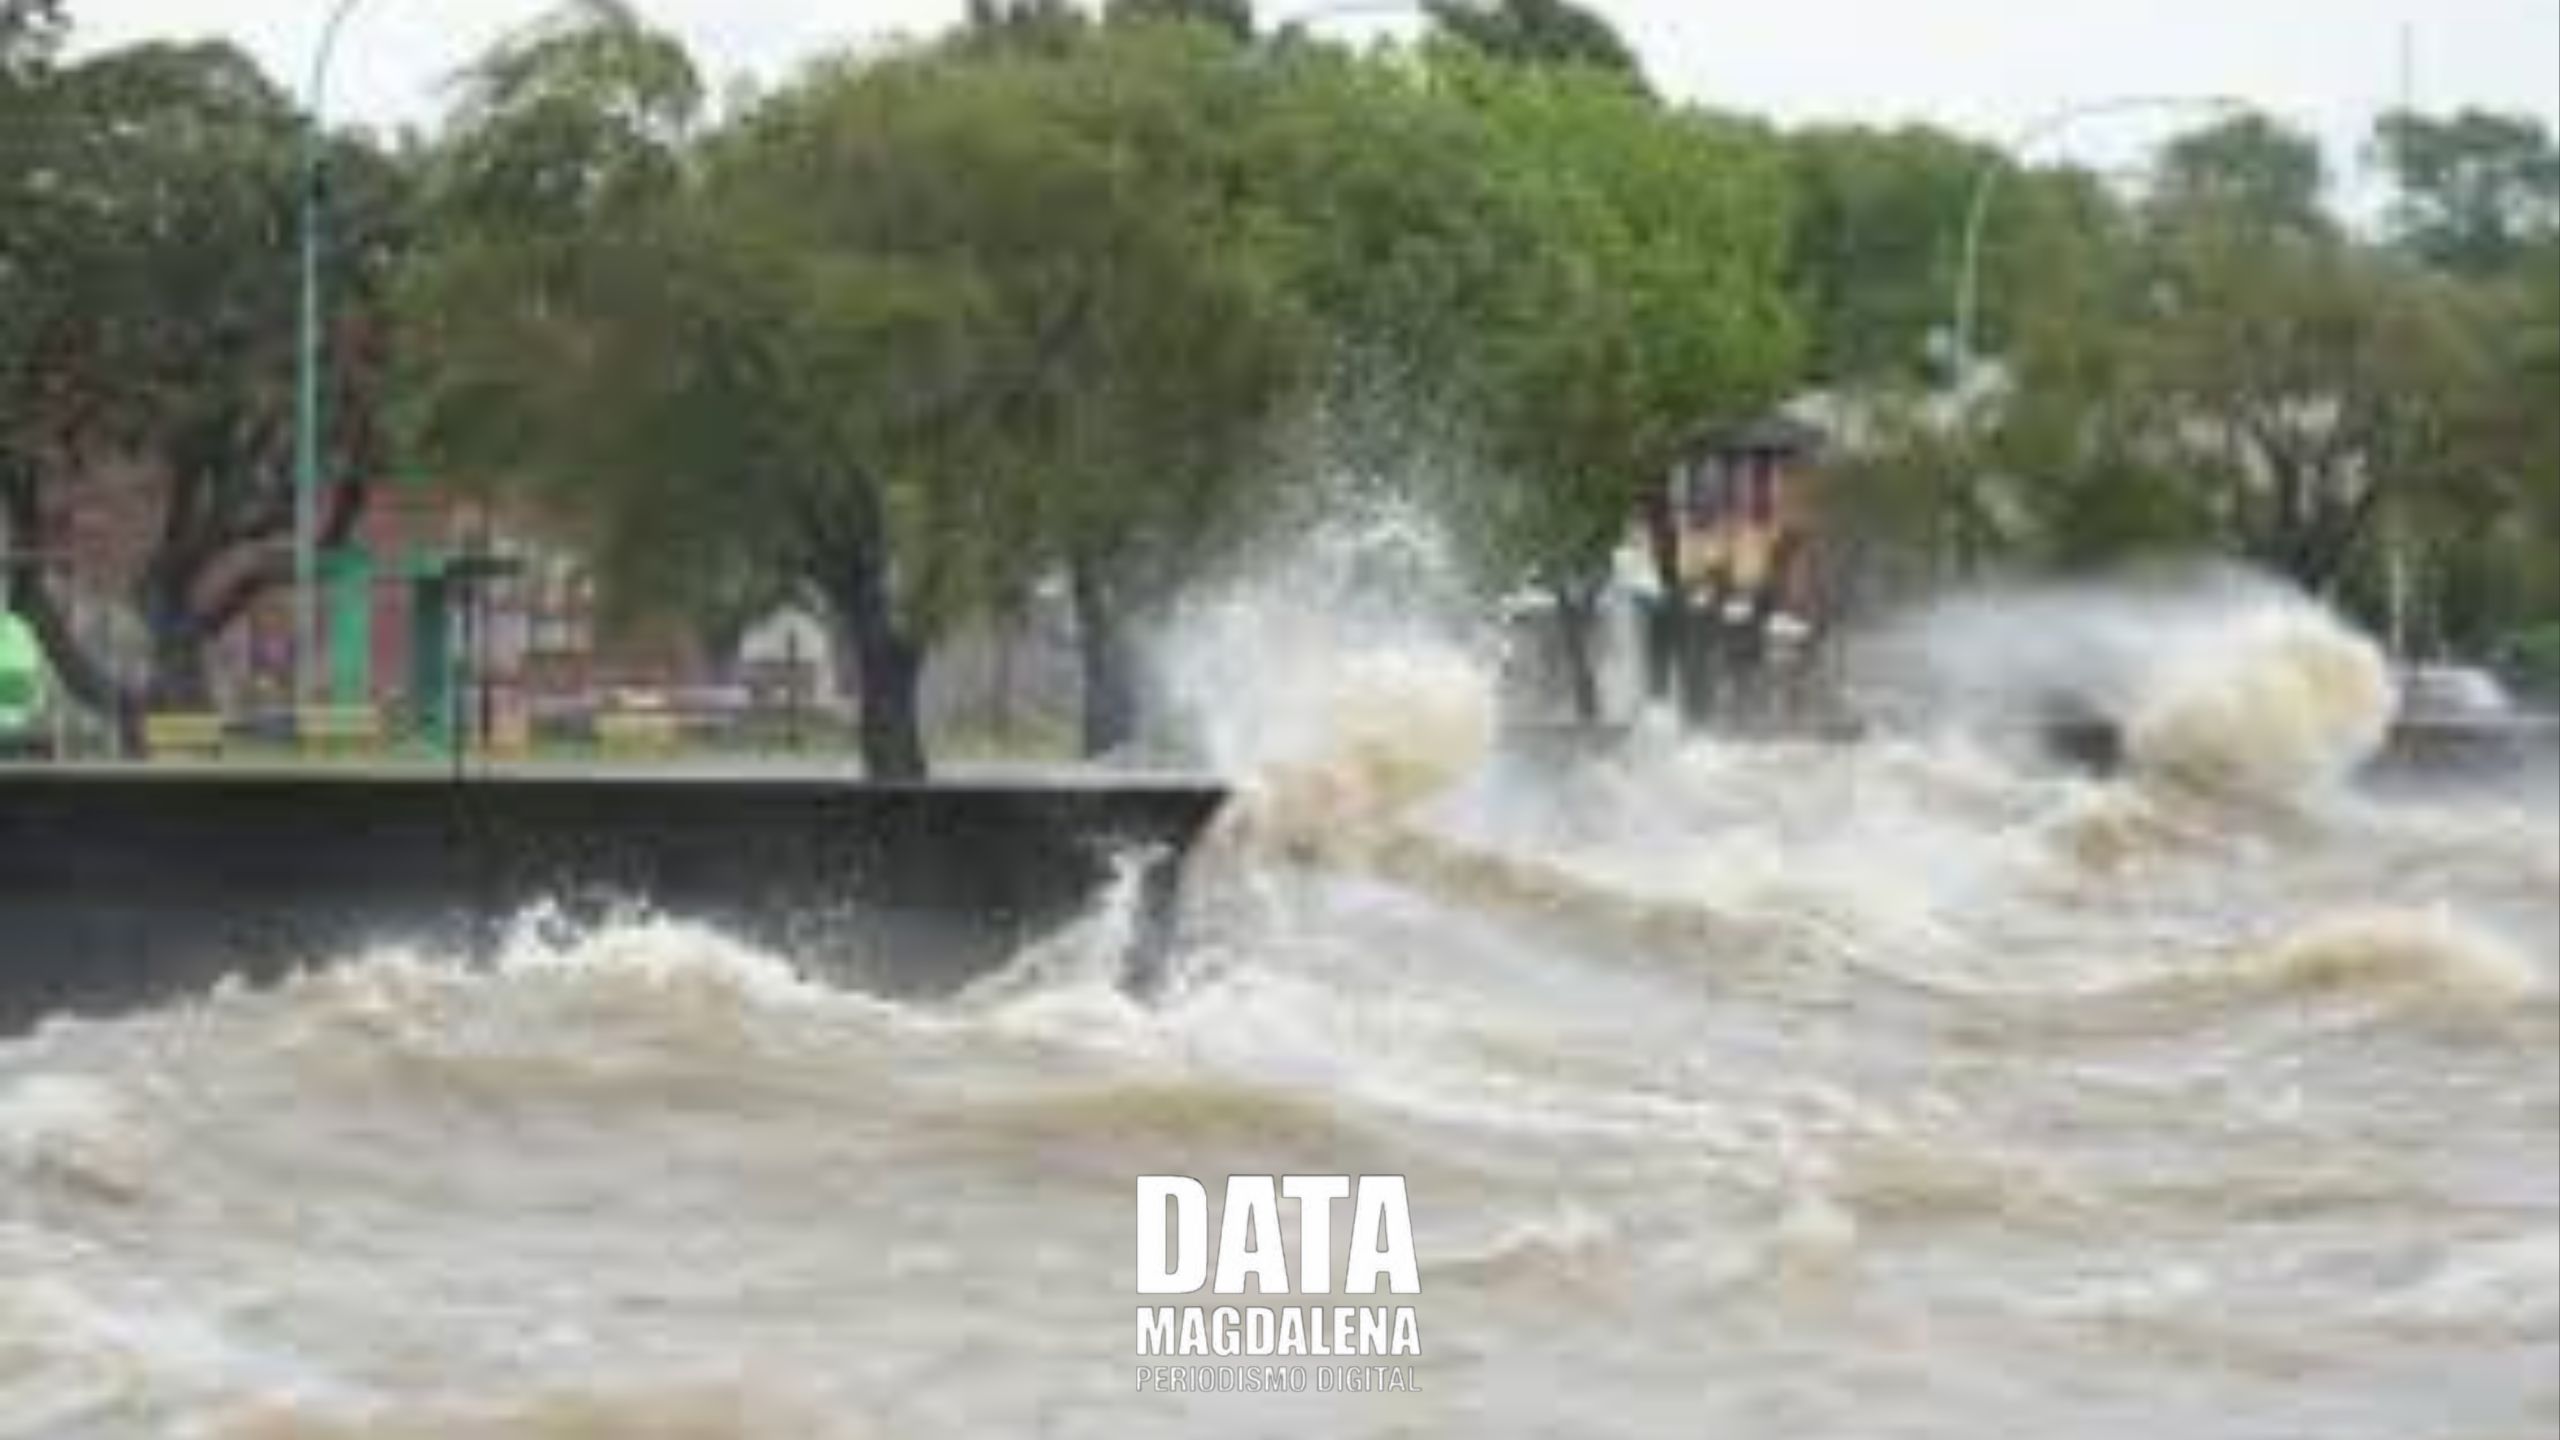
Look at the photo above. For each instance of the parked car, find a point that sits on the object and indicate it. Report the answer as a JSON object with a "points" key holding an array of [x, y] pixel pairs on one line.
{"points": [[2452, 692]]}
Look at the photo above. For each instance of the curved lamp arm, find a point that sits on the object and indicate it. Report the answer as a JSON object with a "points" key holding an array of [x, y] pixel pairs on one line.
{"points": [[1987, 186]]}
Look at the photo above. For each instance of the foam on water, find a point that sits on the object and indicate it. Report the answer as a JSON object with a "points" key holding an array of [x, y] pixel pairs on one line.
{"points": [[2428, 954], [76, 1131], [2508, 1285], [719, 1407], [2275, 701], [2219, 678]]}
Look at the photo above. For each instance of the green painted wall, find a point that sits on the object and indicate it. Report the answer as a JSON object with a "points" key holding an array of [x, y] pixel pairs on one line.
{"points": [[346, 577], [22, 676], [431, 660]]}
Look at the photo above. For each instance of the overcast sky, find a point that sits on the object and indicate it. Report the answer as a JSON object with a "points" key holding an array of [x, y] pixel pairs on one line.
{"points": [[1985, 66]]}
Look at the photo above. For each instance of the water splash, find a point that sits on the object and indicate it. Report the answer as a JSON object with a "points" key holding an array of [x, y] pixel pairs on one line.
{"points": [[2273, 701], [74, 1131], [2218, 678]]}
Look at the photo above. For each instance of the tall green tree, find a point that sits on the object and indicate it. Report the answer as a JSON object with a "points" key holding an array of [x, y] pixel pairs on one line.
{"points": [[594, 338], [30, 33], [2477, 199], [1397, 230], [1233, 18], [2250, 376], [997, 253], [2304, 379], [542, 203], [1879, 225], [1538, 32], [1146, 463], [1879, 240], [151, 303], [1655, 305], [30, 30], [909, 331], [2250, 169], [2476, 192], [1032, 24]]}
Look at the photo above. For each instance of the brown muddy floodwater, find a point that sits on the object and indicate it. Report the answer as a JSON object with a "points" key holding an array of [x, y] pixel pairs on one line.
{"points": [[1875, 1091]]}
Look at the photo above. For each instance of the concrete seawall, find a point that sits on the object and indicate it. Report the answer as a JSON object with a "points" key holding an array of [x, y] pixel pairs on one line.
{"points": [[127, 887]]}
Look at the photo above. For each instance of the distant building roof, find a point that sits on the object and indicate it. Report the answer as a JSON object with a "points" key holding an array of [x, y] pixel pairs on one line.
{"points": [[1813, 422], [1852, 417], [1775, 433]]}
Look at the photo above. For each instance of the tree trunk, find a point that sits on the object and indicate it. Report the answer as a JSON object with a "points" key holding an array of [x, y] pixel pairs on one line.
{"points": [[892, 670], [889, 668], [1747, 650], [180, 677], [1703, 661], [848, 563], [1576, 611], [2330, 548], [85, 679], [1107, 658], [1667, 628], [82, 676]]}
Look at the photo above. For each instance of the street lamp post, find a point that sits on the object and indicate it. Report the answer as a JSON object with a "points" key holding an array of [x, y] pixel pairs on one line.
{"points": [[309, 359], [1968, 298]]}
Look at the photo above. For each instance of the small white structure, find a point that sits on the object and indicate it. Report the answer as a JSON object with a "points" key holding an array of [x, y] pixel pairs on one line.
{"points": [[789, 653]]}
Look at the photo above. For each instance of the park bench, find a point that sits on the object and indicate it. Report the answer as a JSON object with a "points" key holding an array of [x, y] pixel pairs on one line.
{"points": [[510, 736], [631, 734], [338, 729], [183, 735]]}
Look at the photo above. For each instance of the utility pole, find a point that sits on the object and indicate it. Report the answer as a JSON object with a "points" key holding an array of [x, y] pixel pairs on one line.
{"points": [[310, 354], [2408, 67], [2395, 542]]}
